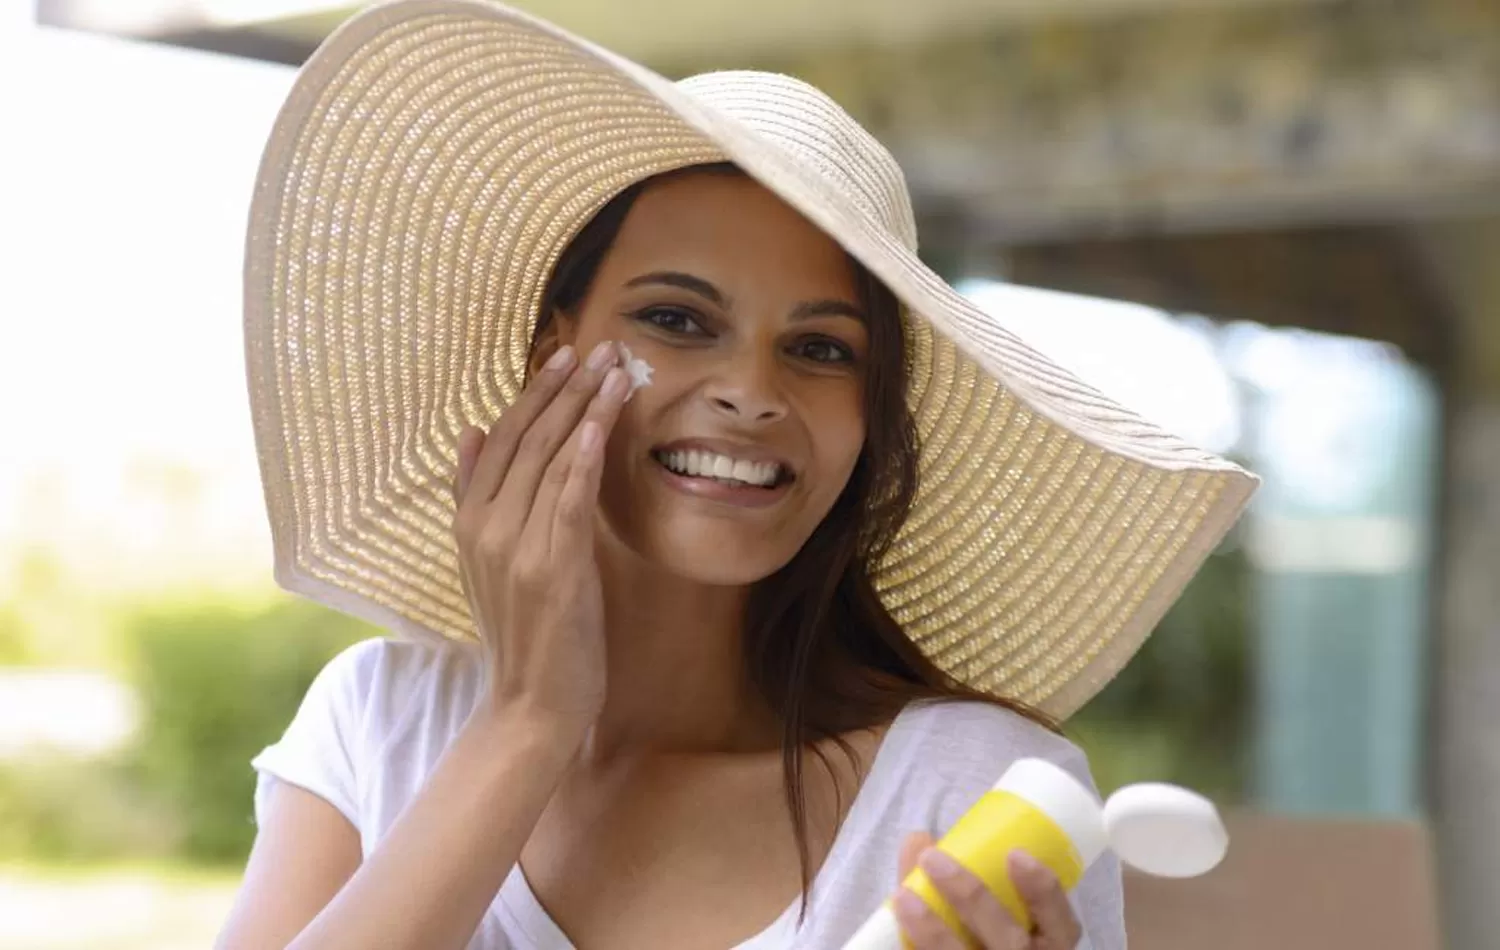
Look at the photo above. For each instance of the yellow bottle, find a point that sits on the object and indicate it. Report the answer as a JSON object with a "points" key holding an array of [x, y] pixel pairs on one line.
{"points": [[1043, 810]]}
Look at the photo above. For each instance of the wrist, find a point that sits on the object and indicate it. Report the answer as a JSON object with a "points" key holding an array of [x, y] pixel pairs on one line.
{"points": [[529, 729]]}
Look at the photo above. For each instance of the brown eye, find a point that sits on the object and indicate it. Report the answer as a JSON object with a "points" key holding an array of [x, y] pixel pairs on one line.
{"points": [[824, 350], [672, 320]]}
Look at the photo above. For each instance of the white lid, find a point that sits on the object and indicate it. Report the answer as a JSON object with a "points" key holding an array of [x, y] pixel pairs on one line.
{"points": [[1064, 799], [1165, 830], [880, 932]]}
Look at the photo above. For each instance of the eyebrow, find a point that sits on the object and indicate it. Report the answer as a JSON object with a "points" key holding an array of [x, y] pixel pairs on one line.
{"points": [[827, 308], [803, 311], [672, 278]]}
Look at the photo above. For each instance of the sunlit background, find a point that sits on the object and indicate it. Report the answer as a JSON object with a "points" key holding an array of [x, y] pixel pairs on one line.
{"points": [[1287, 261]]}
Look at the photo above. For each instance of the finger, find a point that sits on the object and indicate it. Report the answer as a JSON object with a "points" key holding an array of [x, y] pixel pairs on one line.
{"points": [[1055, 923], [470, 442], [571, 511], [924, 929], [505, 435], [979, 909], [571, 522], [545, 437], [911, 850]]}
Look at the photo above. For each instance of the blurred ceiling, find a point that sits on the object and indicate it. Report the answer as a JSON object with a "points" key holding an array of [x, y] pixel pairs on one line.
{"points": [[655, 31]]}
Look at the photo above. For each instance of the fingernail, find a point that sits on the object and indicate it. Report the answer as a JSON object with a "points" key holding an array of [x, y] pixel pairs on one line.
{"points": [[615, 383], [562, 359], [939, 864], [603, 355]]}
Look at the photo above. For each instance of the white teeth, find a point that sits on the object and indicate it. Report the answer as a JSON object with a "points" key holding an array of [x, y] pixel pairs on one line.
{"points": [[701, 464]]}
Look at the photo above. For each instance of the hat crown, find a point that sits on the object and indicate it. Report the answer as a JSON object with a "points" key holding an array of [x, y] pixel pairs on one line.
{"points": [[804, 122]]}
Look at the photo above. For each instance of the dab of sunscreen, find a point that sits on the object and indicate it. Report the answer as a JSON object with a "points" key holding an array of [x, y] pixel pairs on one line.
{"points": [[1043, 810], [638, 369]]}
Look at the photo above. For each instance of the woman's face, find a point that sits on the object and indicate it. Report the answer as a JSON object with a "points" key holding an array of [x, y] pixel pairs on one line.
{"points": [[721, 469]]}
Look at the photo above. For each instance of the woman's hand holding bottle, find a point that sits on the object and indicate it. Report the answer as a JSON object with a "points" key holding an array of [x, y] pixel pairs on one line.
{"points": [[987, 921]]}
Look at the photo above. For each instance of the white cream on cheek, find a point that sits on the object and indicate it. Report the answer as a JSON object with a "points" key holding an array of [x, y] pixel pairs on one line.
{"points": [[640, 371]]}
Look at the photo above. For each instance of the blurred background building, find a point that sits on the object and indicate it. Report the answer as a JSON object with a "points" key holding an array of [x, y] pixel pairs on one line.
{"points": [[1274, 225]]}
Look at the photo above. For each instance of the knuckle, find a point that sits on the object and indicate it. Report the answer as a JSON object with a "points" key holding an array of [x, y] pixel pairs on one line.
{"points": [[569, 510], [529, 573], [964, 888], [536, 440], [583, 382], [557, 474], [504, 428], [526, 445], [492, 545]]}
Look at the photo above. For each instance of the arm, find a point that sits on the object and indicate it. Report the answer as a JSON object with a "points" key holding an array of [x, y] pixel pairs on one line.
{"points": [[526, 495], [430, 880]]}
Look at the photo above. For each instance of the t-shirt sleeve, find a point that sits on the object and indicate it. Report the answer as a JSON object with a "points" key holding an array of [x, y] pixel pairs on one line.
{"points": [[320, 749]]}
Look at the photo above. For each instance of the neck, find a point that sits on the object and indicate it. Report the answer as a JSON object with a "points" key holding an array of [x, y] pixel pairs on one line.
{"points": [[676, 671]]}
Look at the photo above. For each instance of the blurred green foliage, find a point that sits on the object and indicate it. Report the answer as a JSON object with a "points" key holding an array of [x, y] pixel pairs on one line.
{"points": [[1179, 711], [217, 686], [64, 810], [15, 645], [216, 683]]}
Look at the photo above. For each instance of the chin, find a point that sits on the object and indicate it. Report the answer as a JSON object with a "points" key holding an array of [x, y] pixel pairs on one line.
{"points": [[714, 554]]}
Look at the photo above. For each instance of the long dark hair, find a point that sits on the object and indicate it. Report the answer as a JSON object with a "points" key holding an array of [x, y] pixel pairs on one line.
{"points": [[819, 643]]}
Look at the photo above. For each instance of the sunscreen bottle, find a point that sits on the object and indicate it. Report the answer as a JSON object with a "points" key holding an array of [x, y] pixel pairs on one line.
{"points": [[1043, 810]]}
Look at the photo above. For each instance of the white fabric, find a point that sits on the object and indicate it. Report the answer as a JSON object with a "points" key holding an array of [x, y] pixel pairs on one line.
{"points": [[376, 720]]}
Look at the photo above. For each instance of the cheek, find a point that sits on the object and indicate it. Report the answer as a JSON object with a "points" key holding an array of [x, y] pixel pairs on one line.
{"points": [[839, 435]]}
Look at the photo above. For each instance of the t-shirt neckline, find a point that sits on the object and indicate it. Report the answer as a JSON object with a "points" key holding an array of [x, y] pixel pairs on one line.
{"points": [[526, 912]]}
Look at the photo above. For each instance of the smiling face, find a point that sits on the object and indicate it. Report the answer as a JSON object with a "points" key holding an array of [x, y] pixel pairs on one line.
{"points": [[752, 320]]}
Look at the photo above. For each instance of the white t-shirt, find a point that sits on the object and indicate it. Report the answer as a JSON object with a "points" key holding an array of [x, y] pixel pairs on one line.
{"points": [[378, 717]]}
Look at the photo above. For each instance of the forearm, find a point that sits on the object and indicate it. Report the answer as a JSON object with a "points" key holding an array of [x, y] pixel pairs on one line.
{"points": [[438, 869]]}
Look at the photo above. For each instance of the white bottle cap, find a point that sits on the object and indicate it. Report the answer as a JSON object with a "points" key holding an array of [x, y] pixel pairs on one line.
{"points": [[1064, 799], [1165, 830]]}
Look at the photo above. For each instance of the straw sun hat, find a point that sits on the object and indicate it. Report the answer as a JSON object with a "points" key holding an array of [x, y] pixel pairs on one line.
{"points": [[432, 161]]}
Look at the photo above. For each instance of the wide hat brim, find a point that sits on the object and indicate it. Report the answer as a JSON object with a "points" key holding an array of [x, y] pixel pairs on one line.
{"points": [[434, 158]]}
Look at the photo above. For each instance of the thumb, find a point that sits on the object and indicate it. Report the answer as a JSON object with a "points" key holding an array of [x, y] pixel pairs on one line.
{"points": [[911, 850]]}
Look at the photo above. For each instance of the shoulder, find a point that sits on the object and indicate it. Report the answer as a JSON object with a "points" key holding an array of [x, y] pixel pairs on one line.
{"points": [[371, 725], [963, 742], [944, 754], [386, 663], [386, 685]]}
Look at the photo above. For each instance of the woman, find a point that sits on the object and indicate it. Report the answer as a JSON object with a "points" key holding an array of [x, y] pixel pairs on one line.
{"points": [[667, 676]]}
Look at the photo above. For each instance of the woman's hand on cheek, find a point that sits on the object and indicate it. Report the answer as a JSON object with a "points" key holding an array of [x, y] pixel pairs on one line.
{"points": [[526, 494], [994, 928]]}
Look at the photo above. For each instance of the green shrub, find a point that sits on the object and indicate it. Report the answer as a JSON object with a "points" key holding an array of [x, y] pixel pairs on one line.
{"points": [[217, 685], [15, 644], [1179, 710], [63, 810]]}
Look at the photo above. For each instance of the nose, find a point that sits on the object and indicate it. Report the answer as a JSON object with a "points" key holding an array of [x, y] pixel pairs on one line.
{"points": [[747, 390]]}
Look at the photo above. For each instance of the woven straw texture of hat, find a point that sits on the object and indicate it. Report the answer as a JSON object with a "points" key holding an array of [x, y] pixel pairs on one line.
{"points": [[431, 163]]}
